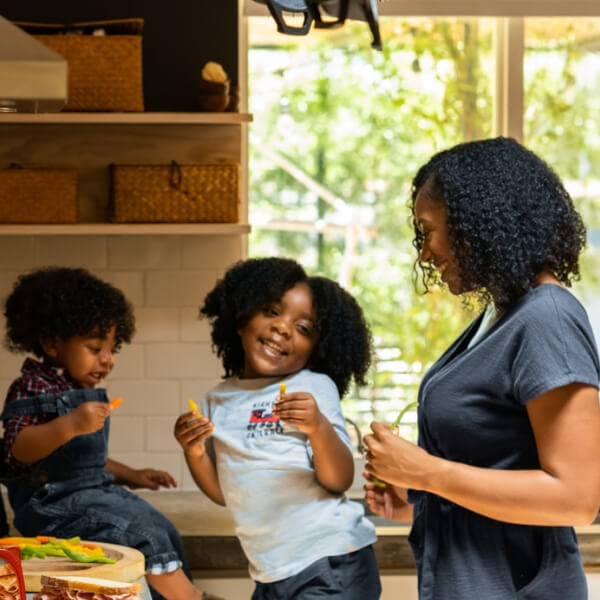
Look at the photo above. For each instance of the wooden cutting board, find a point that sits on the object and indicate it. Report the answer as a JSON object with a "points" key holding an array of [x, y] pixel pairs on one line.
{"points": [[129, 566]]}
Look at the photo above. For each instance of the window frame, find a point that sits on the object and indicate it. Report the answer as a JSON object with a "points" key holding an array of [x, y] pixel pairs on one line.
{"points": [[509, 40]]}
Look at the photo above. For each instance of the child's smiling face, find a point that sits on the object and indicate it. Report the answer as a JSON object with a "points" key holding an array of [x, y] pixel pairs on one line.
{"points": [[87, 359], [280, 337]]}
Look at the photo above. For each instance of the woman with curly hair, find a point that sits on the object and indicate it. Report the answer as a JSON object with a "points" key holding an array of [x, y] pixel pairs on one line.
{"points": [[509, 421], [56, 422], [272, 444]]}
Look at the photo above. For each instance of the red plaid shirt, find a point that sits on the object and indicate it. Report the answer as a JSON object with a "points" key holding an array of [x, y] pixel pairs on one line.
{"points": [[36, 378]]}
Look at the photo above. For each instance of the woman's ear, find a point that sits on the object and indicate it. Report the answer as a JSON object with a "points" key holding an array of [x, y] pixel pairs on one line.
{"points": [[49, 347]]}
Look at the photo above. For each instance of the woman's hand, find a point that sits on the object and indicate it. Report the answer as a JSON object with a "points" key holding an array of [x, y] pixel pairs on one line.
{"points": [[395, 460], [192, 432], [151, 479], [388, 501], [299, 409]]}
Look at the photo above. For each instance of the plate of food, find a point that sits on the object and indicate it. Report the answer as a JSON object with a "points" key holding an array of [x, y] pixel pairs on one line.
{"points": [[43, 555]]}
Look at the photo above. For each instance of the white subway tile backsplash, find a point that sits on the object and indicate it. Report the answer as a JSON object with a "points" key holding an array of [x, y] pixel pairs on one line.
{"points": [[126, 433], [131, 283], [88, 251], [17, 252], [195, 389], [146, 397], [172, 462], [157, 325], [170, 360], [129, 363], [8, 279], [144, 252], [212, 252], [178, 288], [192, 327], [159, 435], [181, 361]]}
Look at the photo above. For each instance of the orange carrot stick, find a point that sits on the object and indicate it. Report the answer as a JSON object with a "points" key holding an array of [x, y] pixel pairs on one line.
{"points": [[115, 403]]}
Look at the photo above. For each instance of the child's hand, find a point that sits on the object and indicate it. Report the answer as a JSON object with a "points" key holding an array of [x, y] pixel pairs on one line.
{"points": [[89, 417], [192, 432], [388, 502], [151, 479], [299, 409]]}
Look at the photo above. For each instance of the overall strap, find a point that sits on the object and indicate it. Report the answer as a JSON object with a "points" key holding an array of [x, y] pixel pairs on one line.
{"points": [[57, 402]]}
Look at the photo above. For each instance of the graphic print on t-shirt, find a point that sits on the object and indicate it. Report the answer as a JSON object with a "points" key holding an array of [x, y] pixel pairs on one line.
{"points": [[262, 422]]}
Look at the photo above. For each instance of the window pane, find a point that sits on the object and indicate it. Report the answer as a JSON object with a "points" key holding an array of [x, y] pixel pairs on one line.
{"points": [[562, 123], [338, 133]]}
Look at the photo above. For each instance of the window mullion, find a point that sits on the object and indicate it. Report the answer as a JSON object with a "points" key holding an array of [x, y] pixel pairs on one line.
{"points": [[509, 101]]}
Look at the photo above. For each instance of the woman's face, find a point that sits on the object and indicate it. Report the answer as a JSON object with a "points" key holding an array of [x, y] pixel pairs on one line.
{"points": [[431, 219], [280, 337]]}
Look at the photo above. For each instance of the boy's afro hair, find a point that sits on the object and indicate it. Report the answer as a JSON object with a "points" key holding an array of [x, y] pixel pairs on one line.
{"points": [[62, 302], [509, 217]]}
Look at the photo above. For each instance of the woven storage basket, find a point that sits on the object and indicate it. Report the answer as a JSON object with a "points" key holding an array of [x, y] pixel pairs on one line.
{"points": [[38, 195], [105, 71], [176, 193]]}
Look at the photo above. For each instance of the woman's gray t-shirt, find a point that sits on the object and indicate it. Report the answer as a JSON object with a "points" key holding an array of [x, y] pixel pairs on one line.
{"points": [[472, 409]]}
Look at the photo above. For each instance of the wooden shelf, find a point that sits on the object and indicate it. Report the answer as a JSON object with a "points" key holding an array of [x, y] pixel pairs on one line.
{"points": [[127, 229], [141, 118]]}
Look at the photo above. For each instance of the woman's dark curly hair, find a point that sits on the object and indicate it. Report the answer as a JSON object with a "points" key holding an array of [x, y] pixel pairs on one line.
{"points": [[343, 349], [61, 302], [509, 218]]}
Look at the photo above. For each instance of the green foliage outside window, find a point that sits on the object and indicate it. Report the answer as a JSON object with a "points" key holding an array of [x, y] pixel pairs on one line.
{"points": [[359, 123]]}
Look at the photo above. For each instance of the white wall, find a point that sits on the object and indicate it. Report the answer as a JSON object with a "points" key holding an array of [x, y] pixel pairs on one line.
{"points": [[170, 359]]}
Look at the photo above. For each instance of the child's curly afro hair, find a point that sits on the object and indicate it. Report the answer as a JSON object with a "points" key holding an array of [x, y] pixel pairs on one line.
{"points": [[62, 302], [343, 350], [509, 218]]}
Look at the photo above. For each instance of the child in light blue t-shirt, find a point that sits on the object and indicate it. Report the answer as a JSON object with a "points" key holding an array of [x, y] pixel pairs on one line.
{"points": [[272, 445]]}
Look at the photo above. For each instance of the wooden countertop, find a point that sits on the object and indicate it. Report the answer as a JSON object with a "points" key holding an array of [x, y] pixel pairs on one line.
{"points": [[213, 549]]}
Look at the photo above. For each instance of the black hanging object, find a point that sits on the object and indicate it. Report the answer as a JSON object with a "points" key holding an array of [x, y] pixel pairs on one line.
{"points": [[278, 7], [327, 14]]}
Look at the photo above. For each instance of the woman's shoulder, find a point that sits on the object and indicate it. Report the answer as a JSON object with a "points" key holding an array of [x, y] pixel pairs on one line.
{"points": [[549, 303]]}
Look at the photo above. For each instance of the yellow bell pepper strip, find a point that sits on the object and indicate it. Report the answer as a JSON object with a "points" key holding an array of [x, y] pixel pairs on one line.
{"points": [[194, 408], [81, 557], [42, 546]]}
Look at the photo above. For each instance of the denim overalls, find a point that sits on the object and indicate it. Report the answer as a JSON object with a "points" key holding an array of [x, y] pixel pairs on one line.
{"points": [[69, 493]]}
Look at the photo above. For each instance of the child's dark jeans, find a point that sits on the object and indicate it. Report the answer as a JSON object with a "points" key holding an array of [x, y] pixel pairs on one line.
{"points": [[353, 576]]}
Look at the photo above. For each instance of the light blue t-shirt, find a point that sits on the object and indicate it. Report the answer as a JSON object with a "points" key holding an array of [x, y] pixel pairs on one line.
{"points": [[284, 518]]}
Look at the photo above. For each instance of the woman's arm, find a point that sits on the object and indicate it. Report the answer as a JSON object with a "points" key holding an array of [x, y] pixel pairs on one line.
{"points": [[334, 465], [35, 442], [564, 491]]}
